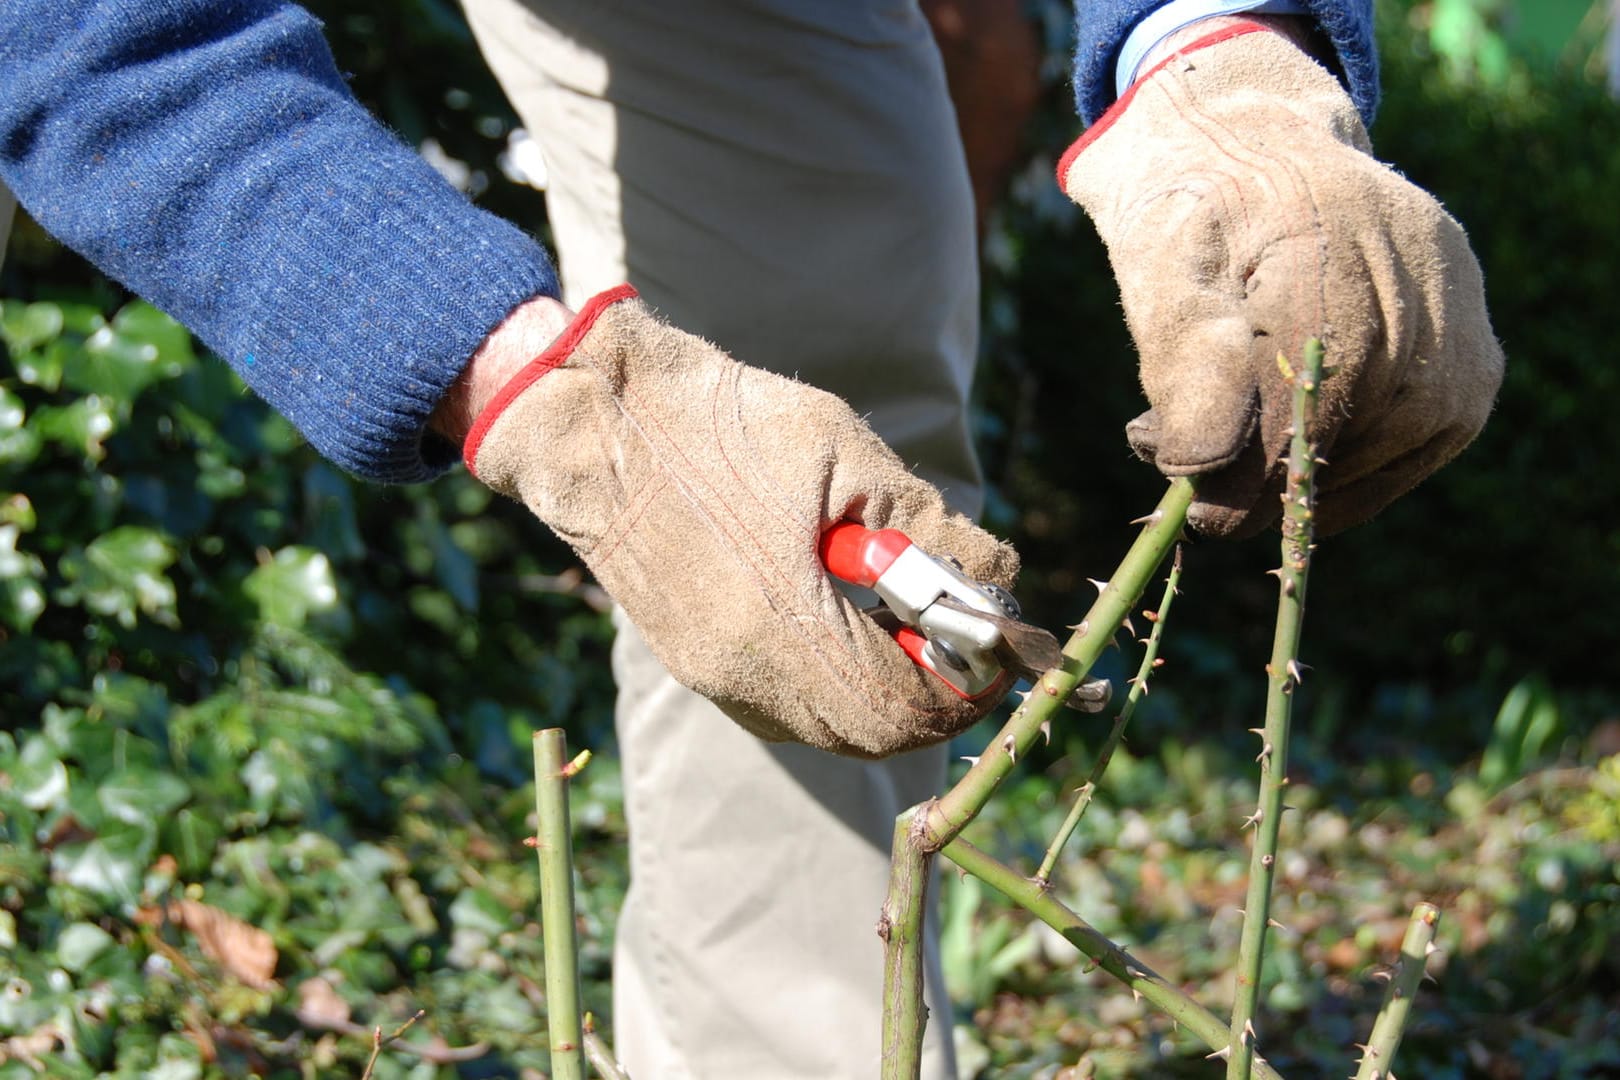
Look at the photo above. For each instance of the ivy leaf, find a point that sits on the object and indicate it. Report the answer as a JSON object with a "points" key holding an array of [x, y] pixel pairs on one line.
{"points": [[79, 944], [121, 574], [19, 511], [475, 909], [82, 425], [143, 322], [22, 597], [191, 840], [38, 778], [19, 444], [294, 584], [142, 797], [116, 365], [25, 327], [110, 866]]}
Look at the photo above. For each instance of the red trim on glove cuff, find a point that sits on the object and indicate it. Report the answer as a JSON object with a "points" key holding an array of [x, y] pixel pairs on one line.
{"points": [[1106, 120], [556, 353]]}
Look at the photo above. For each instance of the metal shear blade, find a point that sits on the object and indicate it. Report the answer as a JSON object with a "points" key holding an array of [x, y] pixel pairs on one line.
{"points": [[1032, 652]]}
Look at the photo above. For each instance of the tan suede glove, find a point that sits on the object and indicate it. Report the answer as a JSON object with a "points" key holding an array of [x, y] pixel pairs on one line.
{"points": [[696, 489], [1243, 212]]}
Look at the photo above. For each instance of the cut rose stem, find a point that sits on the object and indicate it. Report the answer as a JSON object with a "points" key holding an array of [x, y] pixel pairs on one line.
{"points": [[926, 828], [1379, 1053], [1283, 672]]}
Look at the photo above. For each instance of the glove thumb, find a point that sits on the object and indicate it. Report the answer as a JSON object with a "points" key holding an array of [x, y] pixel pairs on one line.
{"points": [[1205, 404]]}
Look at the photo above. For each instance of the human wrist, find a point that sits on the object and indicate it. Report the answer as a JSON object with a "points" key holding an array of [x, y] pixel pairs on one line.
{"points": [[524, 334], [1182, 22]]}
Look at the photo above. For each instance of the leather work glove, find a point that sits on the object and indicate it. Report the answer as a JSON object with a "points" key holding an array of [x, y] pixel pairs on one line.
{"points": [[696, 489], [1243, 212]]}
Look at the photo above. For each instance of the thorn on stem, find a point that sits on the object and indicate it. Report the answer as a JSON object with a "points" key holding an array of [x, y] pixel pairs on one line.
{"points": [[1224, 1054], [971, 759], [1010, 744], [1101, 585], [1149, 519]]}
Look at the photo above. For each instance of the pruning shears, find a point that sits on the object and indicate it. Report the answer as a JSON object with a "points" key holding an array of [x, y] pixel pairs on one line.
{"points": [[964, 631]]}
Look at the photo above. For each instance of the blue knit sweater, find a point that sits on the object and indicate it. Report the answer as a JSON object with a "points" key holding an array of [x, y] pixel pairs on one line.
{"points": [[207, 154]]}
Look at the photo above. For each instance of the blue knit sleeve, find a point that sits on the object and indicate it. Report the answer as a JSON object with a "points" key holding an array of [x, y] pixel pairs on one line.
{"points": [[207, 154], [1101, 27]]}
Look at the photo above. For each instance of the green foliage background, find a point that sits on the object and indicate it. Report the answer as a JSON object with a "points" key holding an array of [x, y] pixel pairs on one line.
{"points": [[229, 672]]}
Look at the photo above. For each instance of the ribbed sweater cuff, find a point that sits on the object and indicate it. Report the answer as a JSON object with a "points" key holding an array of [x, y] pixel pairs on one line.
{"points": [[1103, 27]]}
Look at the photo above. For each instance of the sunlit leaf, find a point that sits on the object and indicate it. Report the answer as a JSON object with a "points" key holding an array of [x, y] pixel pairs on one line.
{"points": [[27, 326], [142, 797], [81, 426], [121, 574], [19, 444], [22, 596], [110, 866], [116, 365], [476, 909], [141, 321], [80, 943], [18, 510], [294, 584]]}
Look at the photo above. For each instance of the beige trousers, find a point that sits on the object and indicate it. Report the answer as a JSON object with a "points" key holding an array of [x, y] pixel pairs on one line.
{"points": [[784, 178]]}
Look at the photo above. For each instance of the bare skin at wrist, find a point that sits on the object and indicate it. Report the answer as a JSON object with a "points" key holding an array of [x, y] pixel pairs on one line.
{"points": [[1296, 28], [526, 333]]}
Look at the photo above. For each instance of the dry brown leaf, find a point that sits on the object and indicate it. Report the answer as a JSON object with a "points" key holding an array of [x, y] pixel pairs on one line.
{"points": [[320, 1006], [240, 948], [33, 1049]]}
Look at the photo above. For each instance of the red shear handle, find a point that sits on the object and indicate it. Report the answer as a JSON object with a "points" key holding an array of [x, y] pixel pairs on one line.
{"points": [[859, 555]]}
